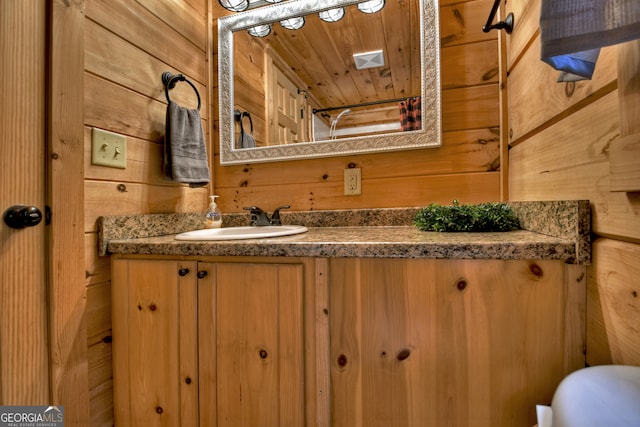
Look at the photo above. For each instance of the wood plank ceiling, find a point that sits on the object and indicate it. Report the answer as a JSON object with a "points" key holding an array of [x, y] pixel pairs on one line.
{"points": [[321, 54]]}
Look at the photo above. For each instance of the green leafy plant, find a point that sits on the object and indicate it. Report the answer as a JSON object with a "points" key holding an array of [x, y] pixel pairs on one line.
{"points": [[491, 216]]}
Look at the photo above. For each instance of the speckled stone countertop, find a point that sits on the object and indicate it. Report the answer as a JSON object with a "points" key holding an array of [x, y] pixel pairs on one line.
{"points": [[551, 230]]}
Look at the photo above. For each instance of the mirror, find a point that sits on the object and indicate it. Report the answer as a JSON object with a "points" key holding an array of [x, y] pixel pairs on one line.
{"points": [[324, 100]]}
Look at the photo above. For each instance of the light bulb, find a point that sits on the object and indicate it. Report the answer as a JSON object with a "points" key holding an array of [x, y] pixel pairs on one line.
{"points": [[234, 5], [332, 15], [260, 30], [371, 6], [293, 23]]}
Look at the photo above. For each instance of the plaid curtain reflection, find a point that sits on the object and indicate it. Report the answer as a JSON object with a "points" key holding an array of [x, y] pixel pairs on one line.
{"points": [[411, 114]]}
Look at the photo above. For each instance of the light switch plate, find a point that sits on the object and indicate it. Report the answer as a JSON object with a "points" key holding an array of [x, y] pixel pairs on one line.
{"points": [[108, 149]]}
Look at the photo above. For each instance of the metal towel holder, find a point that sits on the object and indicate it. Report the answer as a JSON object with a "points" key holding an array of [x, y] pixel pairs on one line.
{"points": [[170, 81], [506, 25]]}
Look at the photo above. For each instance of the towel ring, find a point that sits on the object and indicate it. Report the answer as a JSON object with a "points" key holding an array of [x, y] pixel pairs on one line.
{"points": [[170, 81]]}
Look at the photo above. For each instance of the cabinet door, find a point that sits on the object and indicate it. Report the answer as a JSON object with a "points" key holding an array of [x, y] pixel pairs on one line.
{"points": [[420, 343], [154, 343], [251, 336]]}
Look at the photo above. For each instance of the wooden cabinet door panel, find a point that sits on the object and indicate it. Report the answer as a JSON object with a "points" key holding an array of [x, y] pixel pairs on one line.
{"points": [[444, 342], [154, 333], [257, 341]]}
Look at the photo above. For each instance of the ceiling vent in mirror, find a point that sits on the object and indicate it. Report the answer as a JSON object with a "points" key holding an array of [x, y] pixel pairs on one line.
{"points": [[369, 59]]}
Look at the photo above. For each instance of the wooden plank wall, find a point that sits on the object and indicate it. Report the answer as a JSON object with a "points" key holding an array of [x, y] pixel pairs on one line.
{"points": [[560, 137], [128, 45], [466, 167]]}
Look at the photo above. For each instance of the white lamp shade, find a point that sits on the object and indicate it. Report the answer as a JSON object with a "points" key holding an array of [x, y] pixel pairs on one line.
{"points": [[234, 5], [293, 23], [371, 6], [332, 15], [260, 30]]}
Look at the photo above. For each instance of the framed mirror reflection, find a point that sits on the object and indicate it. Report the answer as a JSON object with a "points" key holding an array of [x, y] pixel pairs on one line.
{"points": [[305, 78]]}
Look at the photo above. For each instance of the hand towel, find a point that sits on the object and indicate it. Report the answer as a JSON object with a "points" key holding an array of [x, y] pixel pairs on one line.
{"points": [[573, 31], [246, 140], [185, 153]]}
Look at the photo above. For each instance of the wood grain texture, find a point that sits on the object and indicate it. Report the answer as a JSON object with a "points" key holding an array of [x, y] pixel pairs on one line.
{"points": [[248, 346], [567, 140], [613, 310], [625, 154], [134, 22], [136, 199], [67, 292], [260, 352], [536, 100], [155, 314], [383, 192], [127, 47], [24, 358], [569, 161], [435, 342]]}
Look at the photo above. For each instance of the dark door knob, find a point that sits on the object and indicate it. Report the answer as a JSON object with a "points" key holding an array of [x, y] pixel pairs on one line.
{"points": [[20, 216]]}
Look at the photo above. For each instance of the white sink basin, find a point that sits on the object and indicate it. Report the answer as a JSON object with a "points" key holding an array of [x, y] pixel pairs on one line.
{"points": [[237, 233]]}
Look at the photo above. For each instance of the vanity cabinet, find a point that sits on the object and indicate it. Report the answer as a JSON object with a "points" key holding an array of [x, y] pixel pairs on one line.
{"points": [[341, 342], [450, 342], [227, 342]]}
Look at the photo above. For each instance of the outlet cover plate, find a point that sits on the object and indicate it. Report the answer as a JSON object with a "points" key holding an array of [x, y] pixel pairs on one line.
{"points": [[352, 182], [108, 149]]}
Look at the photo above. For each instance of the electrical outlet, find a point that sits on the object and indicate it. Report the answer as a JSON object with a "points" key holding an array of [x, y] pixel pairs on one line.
{"points": [[108, 149], [352, 182]]}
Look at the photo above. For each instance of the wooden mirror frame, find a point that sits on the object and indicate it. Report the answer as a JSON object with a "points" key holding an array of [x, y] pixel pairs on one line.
{"points": [[428, 136]]}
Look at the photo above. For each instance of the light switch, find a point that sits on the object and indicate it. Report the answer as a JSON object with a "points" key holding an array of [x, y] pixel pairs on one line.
{"points": [[108, 149]]}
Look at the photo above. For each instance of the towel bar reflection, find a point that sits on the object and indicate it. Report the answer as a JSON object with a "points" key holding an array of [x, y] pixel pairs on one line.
{"points": [[170, 81], [506, 25]]}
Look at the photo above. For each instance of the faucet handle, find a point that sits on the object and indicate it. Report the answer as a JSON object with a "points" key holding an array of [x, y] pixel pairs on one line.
{"points": [[258, 216], [275, 218]]}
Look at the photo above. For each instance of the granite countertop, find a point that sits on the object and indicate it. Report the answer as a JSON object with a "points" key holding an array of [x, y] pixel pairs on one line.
{"points": [[551, 230]]}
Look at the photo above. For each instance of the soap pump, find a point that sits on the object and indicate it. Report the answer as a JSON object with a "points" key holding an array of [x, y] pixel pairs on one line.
{"points": [[213, 216]]}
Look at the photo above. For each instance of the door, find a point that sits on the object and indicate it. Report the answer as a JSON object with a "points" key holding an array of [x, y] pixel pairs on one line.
{"points": [[285, 109], [43, 349], [24, 364]]}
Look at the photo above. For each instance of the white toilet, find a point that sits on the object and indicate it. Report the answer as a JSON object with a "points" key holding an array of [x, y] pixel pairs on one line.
{"points": [[600, 396]]}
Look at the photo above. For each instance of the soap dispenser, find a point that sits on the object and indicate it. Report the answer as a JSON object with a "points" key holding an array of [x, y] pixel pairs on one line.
{"points": [[213, 216]]}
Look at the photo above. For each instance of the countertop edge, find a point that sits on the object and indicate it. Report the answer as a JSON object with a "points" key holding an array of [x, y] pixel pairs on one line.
{"points": [[568, 221]]}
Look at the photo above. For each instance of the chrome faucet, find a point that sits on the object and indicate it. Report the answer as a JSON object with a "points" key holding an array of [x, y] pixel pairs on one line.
{"points": [[261, 218]]}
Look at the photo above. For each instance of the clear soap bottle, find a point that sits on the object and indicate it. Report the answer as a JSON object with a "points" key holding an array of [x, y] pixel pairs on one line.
{"points": [[213, 215]]}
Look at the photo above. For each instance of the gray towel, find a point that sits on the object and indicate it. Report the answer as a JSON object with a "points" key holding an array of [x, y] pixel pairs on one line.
{"points": [[185, 153]]}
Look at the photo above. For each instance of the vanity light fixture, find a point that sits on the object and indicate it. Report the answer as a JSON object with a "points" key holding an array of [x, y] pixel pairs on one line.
{"points": [[293, 23], [260, 30], [234, 5], [332, 15], [371, 6]]}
